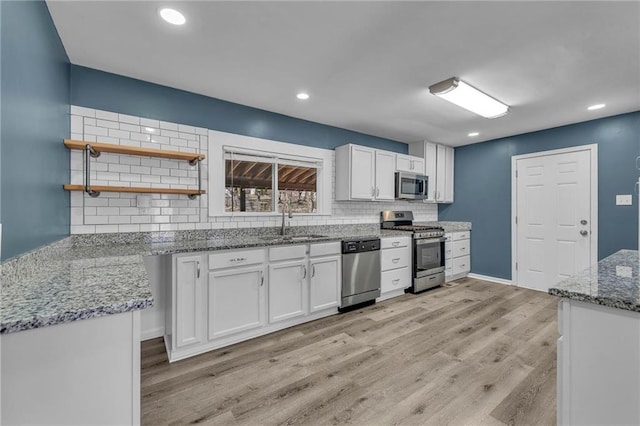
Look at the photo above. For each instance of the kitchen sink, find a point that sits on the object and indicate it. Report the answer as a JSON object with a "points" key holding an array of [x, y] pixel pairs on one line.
{"points": [[285, 238]]}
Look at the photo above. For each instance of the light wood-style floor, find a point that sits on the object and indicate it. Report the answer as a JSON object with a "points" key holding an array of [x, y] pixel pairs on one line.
{"points": [[470, 353]]}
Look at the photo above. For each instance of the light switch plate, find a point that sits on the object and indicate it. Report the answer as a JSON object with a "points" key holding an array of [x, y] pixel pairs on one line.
{"points": [[623, 200]]}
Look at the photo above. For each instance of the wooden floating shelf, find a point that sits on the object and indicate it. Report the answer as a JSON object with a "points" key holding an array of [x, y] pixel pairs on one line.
{"points": [[131, 150], [144, 190]]}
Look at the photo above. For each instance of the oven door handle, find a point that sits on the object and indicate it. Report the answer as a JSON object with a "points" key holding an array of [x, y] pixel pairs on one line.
{"points": [[423, 241]]}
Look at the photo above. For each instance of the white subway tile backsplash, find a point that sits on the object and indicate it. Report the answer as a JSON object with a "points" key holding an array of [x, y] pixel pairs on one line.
{"points": [[117, 212]]}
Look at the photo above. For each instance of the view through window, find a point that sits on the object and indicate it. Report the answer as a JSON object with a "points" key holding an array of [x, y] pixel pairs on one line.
{"points": [[251, 184]]}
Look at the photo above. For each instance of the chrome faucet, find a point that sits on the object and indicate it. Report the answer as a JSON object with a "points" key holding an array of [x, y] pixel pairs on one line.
{"points": [[283, 229]]}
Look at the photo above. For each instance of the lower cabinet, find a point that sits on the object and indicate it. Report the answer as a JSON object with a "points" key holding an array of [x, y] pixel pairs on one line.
{"points": [[248, 293], [457, 255], [235, 301], [324, 283], [396, 265]]}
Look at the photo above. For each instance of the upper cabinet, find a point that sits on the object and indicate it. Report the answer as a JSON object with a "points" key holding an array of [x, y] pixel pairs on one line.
{"points": [[408, 163], [364, 173], [438, 161]]}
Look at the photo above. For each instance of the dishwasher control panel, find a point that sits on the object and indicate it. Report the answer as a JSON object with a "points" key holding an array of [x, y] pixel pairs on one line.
{"points": [[359, 246]]}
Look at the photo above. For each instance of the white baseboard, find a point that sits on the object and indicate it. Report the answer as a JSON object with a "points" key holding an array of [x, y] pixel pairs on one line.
{"points": [[151, 333], [491, 279]]}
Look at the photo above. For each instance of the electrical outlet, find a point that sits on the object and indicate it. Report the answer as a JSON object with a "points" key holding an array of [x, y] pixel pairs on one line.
{"points": [[623, 200]]}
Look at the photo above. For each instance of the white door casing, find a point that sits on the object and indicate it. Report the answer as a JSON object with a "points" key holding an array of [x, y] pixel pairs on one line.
{"points": [[554, 215]]}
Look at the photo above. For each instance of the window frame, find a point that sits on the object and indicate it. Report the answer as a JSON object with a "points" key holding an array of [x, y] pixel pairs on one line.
{"points": [[221, 142]]}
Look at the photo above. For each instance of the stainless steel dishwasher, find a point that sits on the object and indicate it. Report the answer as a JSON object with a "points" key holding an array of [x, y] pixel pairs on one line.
{"points": [[360, 271]]}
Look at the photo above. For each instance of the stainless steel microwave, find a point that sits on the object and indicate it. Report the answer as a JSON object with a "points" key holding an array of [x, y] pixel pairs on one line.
{"points": [[411, 186]]}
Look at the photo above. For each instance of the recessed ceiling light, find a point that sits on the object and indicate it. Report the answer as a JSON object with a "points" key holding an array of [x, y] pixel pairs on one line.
{"points": [[597, 106], [172, 16], [302, 96], [473, 134]]}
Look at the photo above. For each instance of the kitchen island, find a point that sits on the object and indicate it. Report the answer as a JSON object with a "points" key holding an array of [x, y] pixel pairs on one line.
{"points": [[599, 344]]}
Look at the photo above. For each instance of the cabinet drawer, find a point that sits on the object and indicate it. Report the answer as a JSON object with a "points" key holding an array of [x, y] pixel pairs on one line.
{"points": [[461, 265], [461, 248], [394, 258], [325, 249], [395, 280], [460, 235], [448, 237], [448, 250], [226, 259], [287, 253], [394, 242]]}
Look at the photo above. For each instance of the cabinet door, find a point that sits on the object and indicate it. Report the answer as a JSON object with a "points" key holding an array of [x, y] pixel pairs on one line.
{"points": [[418, 165], [324, 284], [430, 169], [441, 173], [385, 176], [235, 301], [403, 163], [287, 290], [448, 183], [362, 173], [188, 301]]}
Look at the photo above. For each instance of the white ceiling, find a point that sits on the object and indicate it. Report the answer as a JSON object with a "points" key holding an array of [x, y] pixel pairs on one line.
{"points": [[368, 65]]}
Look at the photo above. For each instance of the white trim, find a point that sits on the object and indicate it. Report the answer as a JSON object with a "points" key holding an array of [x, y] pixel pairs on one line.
{"points": [[219, 141], [593, 150], [489, 278]]}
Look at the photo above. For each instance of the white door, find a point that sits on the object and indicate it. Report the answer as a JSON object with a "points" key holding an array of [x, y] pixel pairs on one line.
{"points": [[188, 301], [554, 217], [235, 301], [324, 285], [287, 290], [385, 176], [362, 173]]}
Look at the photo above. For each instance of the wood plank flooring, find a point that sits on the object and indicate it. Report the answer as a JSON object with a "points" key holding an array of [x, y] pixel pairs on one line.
{"points": [[469, 353]]}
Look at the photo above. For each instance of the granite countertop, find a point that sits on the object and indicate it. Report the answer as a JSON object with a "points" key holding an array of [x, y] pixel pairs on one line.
{"points": [[449, 226], [87, 276], [613, 282]]}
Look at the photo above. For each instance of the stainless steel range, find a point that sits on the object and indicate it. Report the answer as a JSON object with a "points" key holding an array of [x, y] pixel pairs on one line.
{"points": [[428, 248]]}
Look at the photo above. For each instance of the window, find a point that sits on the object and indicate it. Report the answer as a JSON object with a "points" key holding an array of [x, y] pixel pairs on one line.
{"points": [[264, 184], [259, 182]]}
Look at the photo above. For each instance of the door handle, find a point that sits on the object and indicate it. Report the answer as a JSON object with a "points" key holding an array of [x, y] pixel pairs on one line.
{"points": [[583, 222], [584, 233]]}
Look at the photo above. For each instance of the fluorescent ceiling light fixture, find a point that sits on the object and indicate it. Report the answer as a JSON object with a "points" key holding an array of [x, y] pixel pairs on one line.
{"points": [[597, 106], [468, 97], [302, 96], [172, 16], [472, 134]]}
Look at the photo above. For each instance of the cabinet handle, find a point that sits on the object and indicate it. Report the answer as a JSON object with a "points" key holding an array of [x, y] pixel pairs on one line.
{"points": [[304, 268], [313, 271], [397, 280], [395, 243], [462, 248], [635, 188], [396, 260], [198, 269], [373, 191], [377, 191], [261, 278], [238, 259]]}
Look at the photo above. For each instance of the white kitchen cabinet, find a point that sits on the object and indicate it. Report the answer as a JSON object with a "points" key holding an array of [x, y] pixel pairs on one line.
{"points": [[248, 293], [287, 290], [457, 255], [409, 163], [395, 264], [235, 300], [439, 166], [325, 280], [598, 371], [364, 173], [187, 301]]}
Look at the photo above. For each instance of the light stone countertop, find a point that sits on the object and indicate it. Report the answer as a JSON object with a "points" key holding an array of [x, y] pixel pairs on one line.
{"points": [[613, 282], [87, 276], [449, 226]]}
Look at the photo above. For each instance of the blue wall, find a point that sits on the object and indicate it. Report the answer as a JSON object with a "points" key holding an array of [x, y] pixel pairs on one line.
{"points": [[110, 92], [35, 120], [483, 187]]}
